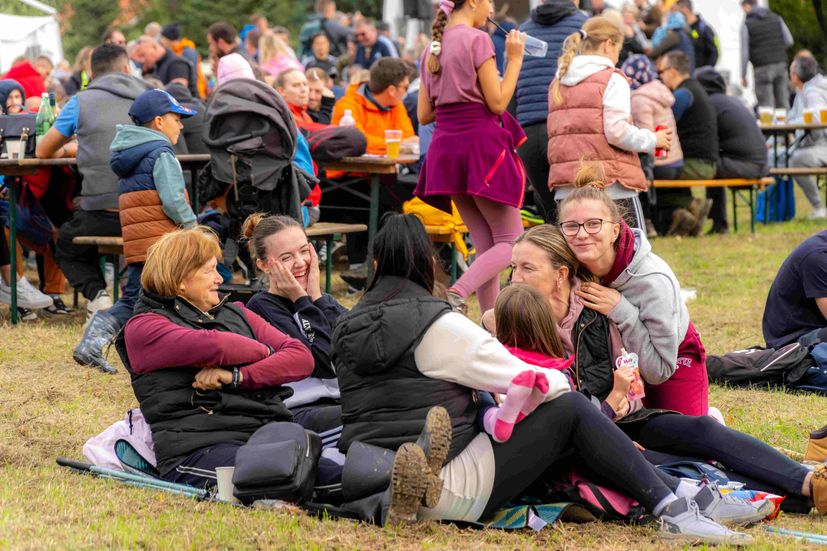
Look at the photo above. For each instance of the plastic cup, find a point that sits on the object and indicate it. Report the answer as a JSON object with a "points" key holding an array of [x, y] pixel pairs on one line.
{"points": [[535, 47], [224, 476], [780, 116], [13, 148], [822, 114], [393, 139], [809, 116], [765, 115]]}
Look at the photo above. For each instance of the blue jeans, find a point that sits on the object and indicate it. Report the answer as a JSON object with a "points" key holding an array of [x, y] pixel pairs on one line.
{"points": [[122, 310]]}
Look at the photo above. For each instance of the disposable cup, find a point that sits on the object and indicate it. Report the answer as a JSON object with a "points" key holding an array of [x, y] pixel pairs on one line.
{"points": [[393, 138], [224, 476], [822, 113], [780, 116], [765, 115], [810, 116]]}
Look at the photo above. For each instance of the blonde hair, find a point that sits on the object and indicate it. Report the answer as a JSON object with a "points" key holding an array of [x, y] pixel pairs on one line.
{"points": [[175, 256], [524, 320], [437, 28], [595, 32], [551, 240], [316, 74], [270, 46], [589, 185]]}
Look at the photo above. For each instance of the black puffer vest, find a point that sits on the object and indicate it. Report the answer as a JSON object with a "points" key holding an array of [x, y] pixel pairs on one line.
{"points": [[384, 396], [766, 38], [183, 419], [593, 371]]}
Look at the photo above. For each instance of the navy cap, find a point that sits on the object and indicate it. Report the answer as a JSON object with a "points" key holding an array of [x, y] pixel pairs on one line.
{"points": [[155, 103]]}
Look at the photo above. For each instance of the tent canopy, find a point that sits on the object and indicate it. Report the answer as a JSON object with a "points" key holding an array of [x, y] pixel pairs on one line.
{"points": [[29, 36]]}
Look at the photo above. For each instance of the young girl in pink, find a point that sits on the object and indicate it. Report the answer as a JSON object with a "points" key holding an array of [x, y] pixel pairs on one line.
{"points": [[472, 158], [526, 328]]}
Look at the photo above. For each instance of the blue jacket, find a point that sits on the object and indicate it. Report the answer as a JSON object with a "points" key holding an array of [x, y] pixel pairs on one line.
{"points": [[551, 22]]}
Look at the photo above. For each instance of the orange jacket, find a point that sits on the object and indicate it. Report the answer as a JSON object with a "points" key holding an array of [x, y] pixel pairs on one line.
{"points": [[372, 120], [303, 120], [201, 83]]}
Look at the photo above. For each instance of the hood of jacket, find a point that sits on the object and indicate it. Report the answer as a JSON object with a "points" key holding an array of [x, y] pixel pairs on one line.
{"points": [[388, 323], [552, 11], [712, 81], [584, 66], [657, 92], [126, 150], [119, 84], [6, 87], [360, 94], [816, 85], [758, 12]]}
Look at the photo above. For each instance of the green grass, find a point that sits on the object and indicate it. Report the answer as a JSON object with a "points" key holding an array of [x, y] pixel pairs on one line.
{"points": [[50, 406]]}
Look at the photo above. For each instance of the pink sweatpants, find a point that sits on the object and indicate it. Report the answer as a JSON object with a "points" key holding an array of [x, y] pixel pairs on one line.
{"points": [[493, 227]]}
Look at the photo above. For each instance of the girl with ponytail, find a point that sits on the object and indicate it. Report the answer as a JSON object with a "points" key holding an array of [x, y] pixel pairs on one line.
{"points": [[590, 116], [472, 158]]}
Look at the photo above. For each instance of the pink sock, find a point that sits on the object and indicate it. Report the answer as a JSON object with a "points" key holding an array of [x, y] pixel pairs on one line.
{"points": [[538, 394], [489, 419], [519, 391]]}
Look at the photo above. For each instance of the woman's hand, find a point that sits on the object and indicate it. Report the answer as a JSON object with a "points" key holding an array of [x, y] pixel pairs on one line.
{"points": [[618, 403], [599, 298], [283, 283], [664, 138], [623, 379], [212, 378], [514, 45], [314, 285]]}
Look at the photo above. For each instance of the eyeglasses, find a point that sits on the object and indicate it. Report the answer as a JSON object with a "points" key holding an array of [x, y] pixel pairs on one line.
{"points": [[661, 71], [592, 226]]}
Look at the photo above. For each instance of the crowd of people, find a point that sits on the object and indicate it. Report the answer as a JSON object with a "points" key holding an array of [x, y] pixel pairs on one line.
{"points": [[621, 97]]}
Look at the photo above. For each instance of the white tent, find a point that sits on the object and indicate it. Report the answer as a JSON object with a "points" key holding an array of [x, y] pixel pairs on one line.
{"points": [[29, 36]]}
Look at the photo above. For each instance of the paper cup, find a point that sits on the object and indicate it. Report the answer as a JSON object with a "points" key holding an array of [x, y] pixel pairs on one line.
{"points": [[224, 479]]}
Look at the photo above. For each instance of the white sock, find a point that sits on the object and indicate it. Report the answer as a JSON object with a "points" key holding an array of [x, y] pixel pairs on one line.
{"points": [[687, 489], [663, 503]]}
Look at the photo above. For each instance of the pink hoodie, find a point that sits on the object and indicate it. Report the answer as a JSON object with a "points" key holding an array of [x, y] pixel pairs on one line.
{"points": [[541, 360], [651, 106], [233, 66]]}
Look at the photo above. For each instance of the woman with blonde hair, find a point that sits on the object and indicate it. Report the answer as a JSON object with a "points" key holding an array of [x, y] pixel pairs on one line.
{"points": [[590, 116], [275, 56]]}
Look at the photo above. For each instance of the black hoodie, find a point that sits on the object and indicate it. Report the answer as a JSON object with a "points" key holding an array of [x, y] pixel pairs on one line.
{"points": [[738, 135]]}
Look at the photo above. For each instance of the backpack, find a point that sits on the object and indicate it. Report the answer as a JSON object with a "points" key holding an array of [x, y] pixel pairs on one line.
{"points": [[334, 143], [784, 366], [124, 446]]}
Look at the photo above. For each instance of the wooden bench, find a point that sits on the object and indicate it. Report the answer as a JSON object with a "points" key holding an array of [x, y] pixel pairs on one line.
{"points": [[113, 246], [736, 185]]}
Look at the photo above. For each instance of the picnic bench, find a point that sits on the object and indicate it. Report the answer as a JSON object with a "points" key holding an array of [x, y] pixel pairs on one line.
{"points": [[736, 186], [112, 246]]}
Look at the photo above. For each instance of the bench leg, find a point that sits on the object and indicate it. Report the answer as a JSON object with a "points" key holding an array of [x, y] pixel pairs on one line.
{"points": [[328, 265], [453, 262], [734, 209], [373, 220], [75, 298], [752, 192], [13, 246], [116, 278]]}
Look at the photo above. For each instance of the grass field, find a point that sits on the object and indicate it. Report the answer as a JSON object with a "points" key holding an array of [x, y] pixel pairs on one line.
{"points": [[50, 406]]}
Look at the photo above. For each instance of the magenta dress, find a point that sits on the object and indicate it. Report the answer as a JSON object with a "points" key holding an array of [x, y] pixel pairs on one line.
{"points": [[473, 151]]}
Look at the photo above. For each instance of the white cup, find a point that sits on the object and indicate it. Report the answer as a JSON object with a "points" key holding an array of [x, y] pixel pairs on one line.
{"points": [[224, 478], [13, 148]]}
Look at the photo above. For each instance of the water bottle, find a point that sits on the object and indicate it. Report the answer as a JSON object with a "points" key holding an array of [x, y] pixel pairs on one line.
{"points": [[347, 119], [535, 47], [53, 107], [43, 121]]}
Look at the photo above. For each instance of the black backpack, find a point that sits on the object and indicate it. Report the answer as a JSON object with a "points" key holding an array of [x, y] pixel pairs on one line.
{"points": [[761, 366], [335, 142]]}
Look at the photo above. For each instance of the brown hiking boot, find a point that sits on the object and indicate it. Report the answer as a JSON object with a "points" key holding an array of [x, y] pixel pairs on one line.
{"points": [[817, 446], [818, 487], [699, 208], [682, 222], [410, 481], [435, 441]]}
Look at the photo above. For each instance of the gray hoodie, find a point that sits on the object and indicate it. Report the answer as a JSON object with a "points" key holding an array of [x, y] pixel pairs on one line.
{"points": [[651, 315]]}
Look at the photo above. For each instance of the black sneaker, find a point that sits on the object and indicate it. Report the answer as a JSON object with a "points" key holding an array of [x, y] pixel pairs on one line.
{"points": [[26, 314], [58, 308]]}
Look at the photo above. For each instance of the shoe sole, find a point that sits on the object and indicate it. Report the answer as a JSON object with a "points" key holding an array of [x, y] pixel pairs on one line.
{"points": [[435, 442], [410, 479], [742, 539], [760, 514]]}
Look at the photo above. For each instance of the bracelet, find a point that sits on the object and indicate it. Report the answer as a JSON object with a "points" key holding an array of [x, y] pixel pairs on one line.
{"points": [[236, 377]]}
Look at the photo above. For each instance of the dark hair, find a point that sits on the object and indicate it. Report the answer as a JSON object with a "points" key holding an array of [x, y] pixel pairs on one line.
{"points": [[685, 4], [259, 226], [108, 58], [678, 60], [752, 3], [437, 28], [252, 37], [401, 248], [107, 34], [387, 71], [524, 320], [805, 68], [222, 31]]}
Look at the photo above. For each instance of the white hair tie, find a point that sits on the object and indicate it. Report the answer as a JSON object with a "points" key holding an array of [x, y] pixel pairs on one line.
{"points": [[436, 48]]}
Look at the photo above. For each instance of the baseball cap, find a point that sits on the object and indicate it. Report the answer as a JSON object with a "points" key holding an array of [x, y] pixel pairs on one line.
{"points": [[154, 103]]}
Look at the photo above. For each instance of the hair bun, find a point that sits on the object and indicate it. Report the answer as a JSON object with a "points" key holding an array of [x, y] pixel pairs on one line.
{"points": [[250, 224], [590, 174]]}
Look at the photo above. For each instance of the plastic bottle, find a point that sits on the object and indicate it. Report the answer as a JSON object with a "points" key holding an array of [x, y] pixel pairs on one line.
{"points": [[53, 107], [43, 121], [347, 119]]}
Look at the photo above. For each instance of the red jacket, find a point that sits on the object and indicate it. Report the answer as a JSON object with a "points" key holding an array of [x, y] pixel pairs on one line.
{"points": [[29, 79]]}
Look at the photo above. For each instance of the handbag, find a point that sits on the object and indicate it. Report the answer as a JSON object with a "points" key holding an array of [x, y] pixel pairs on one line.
{"points": [[279, 461], [334, 143], [17, 128]]}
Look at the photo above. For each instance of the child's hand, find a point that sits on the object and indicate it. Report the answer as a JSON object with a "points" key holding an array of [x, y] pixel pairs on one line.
{"points": [[514, 45], [623, 379], [664, 138]]}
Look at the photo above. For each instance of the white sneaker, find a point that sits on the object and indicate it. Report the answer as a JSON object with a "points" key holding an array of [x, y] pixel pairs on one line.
{"points": [[819, 213], [27, 295], [102, 301], [728, 510], [681, 520]]}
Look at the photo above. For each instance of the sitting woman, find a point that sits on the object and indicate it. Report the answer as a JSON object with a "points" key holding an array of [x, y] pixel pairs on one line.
{"points": [[295, 305], [207, 373], [543, 260], [401, 351]]}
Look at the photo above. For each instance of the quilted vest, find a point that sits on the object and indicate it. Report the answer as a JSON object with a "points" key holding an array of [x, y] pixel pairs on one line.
{"points": [[766, 41]]}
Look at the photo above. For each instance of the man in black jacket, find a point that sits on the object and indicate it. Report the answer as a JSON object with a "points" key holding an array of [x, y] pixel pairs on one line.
{"points": [[742, 151], [703, 36], [765, 39]]}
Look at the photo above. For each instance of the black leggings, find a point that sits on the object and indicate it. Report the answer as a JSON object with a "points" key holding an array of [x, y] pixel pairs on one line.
{"points": [[572, 422], [705, 438]]}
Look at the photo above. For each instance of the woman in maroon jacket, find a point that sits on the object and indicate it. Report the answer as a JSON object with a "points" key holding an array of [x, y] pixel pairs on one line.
{"points": [[207, 373]]}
